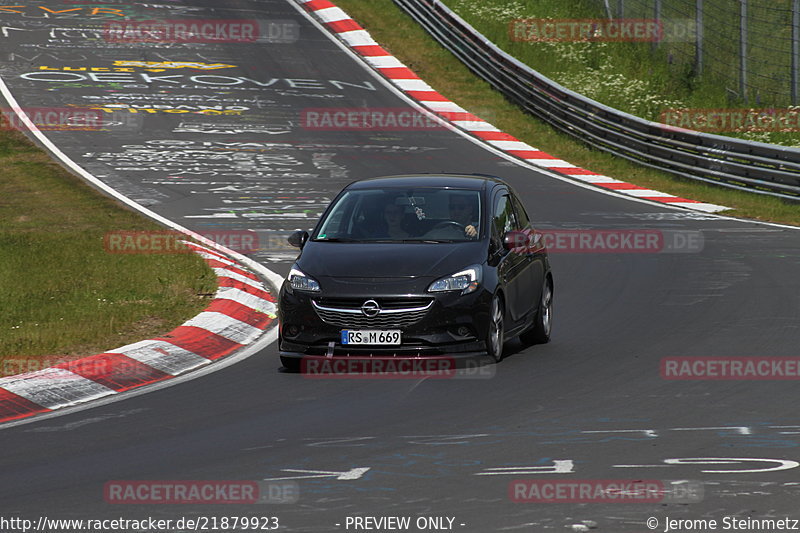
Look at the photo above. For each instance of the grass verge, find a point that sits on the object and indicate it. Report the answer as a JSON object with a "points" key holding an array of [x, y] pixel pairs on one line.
{"points": [[405, 39], [63, 295], [644, 78]]}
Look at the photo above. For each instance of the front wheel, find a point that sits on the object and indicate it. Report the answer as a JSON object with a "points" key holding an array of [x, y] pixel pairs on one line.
{"points": [[539, 333], [495, 338]]}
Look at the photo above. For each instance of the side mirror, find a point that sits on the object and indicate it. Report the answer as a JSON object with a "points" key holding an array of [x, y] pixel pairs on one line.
{"points": [[298, 238], [514, 239], [526, 241]]}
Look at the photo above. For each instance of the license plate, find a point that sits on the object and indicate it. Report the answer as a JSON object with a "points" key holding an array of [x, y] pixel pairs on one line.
{"points": [[371, 336]]}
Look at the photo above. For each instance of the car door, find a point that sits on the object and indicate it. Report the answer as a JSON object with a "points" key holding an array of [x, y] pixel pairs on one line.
{"points": [[532, 275], [511, 269]]}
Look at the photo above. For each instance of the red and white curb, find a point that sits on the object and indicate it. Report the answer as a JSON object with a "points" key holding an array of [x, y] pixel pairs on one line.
{"points": [[360, 41], [241, 311]]}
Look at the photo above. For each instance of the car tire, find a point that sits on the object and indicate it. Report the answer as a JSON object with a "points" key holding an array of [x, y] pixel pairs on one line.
{"points": [[496, 335], [291, 364], [539, 333]]}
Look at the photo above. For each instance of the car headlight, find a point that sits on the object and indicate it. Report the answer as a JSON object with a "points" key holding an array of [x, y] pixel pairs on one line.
{"points": [[466, 281], [300, 281]]}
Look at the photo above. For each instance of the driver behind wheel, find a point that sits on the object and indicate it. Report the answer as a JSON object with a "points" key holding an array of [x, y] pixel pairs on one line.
{"points": [[462, 211]]}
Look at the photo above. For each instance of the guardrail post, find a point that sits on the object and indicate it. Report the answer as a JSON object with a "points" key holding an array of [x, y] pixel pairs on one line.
{"points": [[608, 10], [698, 43], [743, 50], [657, 17], [795, 46]]}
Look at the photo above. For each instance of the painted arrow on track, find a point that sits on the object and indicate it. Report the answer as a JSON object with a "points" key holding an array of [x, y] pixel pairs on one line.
{"points": [[351, 474]]}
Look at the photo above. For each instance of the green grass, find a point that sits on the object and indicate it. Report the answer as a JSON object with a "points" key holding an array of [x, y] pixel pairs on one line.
{"points": [[643, 79], [63, 294], [408, 42]]}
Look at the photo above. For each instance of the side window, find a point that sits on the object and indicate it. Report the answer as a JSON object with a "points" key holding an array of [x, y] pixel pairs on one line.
{"points": [[522, 216], [503, 218]]}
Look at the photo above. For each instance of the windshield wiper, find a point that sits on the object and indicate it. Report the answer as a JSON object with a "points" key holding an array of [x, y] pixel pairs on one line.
{"points": [[386, 241], [429, 241]]}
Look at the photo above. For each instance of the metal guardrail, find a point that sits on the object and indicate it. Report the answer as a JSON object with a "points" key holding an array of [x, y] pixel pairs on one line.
{"points": [[736, 163]]}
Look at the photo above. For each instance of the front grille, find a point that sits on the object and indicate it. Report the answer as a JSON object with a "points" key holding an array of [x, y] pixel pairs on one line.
{"points": [[395, 313], [385, 303]]}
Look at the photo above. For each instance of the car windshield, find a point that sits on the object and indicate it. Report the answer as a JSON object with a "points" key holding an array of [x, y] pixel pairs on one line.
{"points": [[403, 215]]}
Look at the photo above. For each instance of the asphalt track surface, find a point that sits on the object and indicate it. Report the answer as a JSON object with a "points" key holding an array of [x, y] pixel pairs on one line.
{"points": [[593, 396]]}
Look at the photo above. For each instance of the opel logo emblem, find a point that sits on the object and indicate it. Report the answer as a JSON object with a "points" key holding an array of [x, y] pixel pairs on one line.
{"points": [[370, 308]]}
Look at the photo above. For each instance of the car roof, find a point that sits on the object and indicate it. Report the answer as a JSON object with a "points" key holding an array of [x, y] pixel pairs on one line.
{"points": [[455, 181]]}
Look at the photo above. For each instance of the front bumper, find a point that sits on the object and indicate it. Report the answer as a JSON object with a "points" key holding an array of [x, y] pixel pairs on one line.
{"points": [[303, 332]]}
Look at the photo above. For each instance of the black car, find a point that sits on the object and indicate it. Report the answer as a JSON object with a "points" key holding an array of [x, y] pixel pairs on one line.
{"points": [[422, 265]]}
